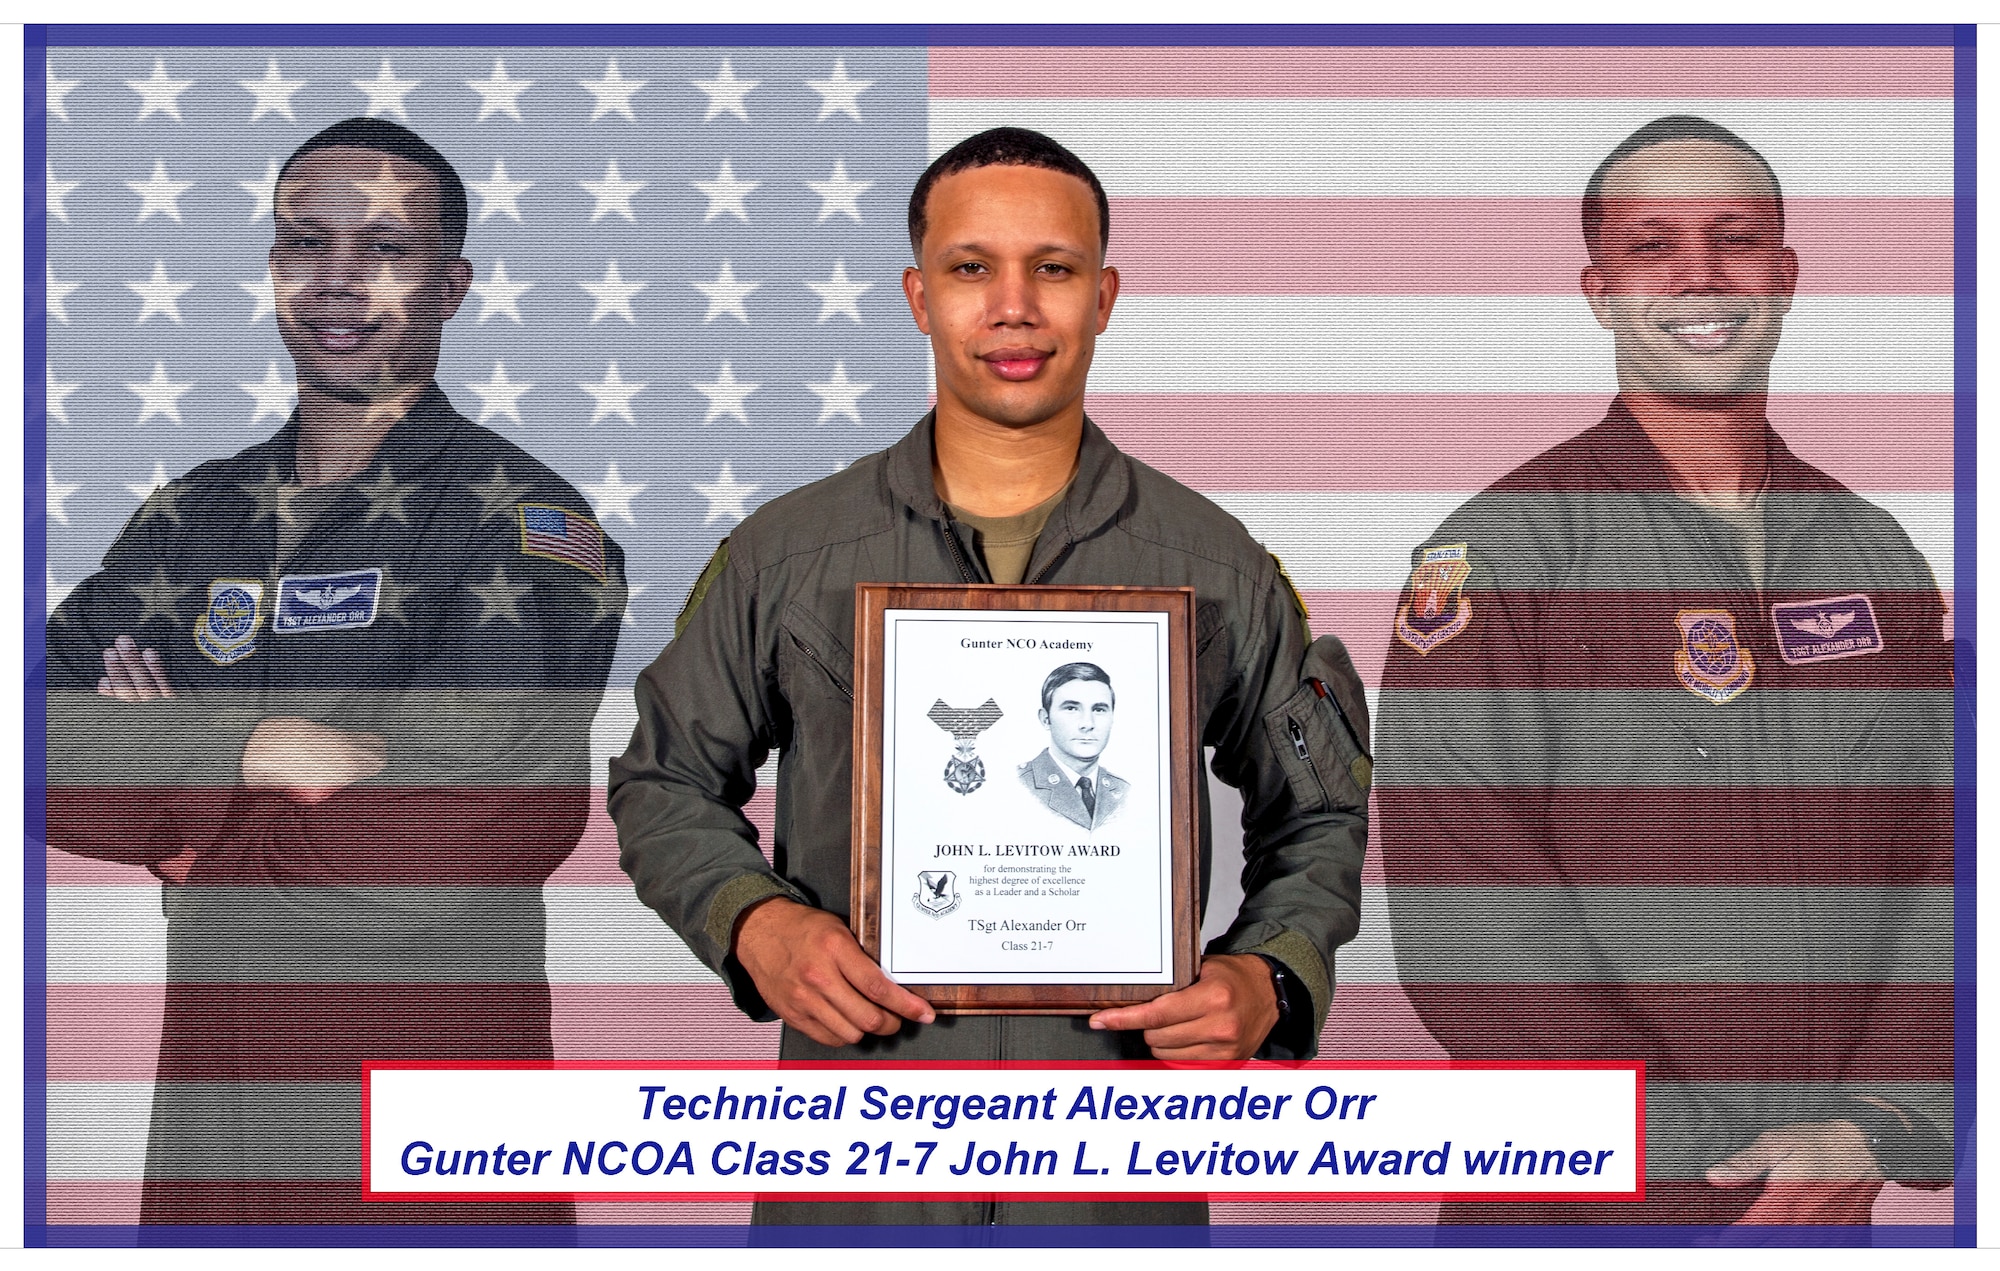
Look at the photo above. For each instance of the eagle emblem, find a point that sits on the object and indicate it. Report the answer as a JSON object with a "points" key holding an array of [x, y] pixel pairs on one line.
{"points": [[936, 894]]}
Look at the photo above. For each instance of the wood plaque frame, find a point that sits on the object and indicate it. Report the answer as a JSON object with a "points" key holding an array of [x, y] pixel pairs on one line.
{"points": [[871, 601]]}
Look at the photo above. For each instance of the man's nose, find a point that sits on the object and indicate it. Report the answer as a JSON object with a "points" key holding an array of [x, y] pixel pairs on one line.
{"points": [[1011, 299], [1701, 268]]}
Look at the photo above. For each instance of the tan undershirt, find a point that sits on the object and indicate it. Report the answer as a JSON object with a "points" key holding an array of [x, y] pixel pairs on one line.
{"points": [[1747, 519], [1008, 542]]}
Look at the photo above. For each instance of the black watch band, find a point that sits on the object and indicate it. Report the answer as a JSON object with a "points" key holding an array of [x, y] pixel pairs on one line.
{"points": [[1281, 980]]}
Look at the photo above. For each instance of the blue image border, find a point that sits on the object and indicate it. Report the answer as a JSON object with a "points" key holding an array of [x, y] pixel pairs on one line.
{"points": [[38, 39]]}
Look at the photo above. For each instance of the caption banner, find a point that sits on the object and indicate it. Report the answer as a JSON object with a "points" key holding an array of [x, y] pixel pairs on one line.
{"points": [[880, 1131]]}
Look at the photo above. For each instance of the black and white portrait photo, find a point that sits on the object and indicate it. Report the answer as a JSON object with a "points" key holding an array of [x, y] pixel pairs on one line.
{"points": [[1079, 706]]}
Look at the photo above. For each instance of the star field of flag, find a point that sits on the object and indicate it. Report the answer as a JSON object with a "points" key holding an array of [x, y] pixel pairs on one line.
{"points": [[1349, 302], [686, 266]]}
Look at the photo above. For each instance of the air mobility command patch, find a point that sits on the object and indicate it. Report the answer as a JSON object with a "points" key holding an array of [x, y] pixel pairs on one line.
{"points": [[226, 632], [558, 534], [1826, 630], [1436, 611], [1710, 662]]}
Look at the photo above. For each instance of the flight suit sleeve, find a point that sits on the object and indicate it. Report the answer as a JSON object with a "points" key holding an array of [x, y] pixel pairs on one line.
{"points": [[488, 777], [1907, 746], [1291, 737], [136, 782], [709, 715]]}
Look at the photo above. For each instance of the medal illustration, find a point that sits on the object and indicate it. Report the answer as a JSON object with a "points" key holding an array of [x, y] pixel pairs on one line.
{"points": [[965, 771]]}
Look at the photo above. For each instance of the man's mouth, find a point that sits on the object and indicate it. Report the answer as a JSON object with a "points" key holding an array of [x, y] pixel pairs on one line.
{"points": [[1016, 364], [338, 337], [1706, 335]]}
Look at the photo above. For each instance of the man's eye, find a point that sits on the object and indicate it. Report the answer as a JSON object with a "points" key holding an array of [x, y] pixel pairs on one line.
{"points": [[1056, 271], [968, 267], [391, 249]]}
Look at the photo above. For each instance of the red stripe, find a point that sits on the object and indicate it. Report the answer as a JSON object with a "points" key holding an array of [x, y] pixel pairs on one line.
{"points": [[1706, 1031], [1640, 836], [1481, 246], [110, 1032], [595, 860], [1679, 73], [1446, 441]]}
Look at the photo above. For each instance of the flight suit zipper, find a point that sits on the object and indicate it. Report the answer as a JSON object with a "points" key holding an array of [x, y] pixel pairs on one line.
{"points": [[820, 662], [1305, 753]]}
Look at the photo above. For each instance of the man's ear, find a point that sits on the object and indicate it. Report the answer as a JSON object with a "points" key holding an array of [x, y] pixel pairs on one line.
{"points": [[1043, 715], [913, 291], [457, 282], [1595, 289]]}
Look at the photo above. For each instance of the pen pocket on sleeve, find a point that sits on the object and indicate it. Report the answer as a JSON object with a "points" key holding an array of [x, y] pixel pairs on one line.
{"points": [[1320, 732]]}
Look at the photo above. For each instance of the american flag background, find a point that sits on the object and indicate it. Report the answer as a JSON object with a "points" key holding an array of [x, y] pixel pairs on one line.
{"points": [[1350, 301]]}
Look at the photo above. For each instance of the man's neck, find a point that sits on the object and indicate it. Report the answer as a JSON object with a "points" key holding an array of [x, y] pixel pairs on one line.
{"points": [[339, 438], [1716, 452], [998, 470], [1072, 767]]}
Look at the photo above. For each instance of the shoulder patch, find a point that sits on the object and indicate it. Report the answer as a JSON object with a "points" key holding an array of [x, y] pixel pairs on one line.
{"points": [[1436, 611], [558, 534], [227, 630], [709, 573], [1298, 601]]}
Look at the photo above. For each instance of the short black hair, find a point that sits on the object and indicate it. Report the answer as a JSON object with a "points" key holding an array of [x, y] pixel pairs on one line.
{"points": [[1075, 671], [1664, 129], [1001, 148], [364, 132]]}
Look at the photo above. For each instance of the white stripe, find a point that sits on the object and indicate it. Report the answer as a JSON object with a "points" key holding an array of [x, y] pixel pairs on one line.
{"points": [[1361, 541], [1385, 147], [602, 935], [106, 935], [1483, 344], [97, 1129]]}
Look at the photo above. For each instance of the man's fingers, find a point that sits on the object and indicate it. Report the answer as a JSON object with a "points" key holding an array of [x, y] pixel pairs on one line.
{"points": [[1162, 1012], [874, 984], [155, 666], [124, 686], [1747, 1166]]}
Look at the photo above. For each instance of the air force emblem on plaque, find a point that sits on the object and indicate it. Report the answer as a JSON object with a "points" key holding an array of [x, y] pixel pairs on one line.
{"points": [[965, 771], [1436, 611], [1826, 630], [936, 895], [1710, 662], [226, 632]]}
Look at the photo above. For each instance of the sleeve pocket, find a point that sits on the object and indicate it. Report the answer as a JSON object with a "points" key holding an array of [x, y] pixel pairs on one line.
{"points": [[1321, 732]]}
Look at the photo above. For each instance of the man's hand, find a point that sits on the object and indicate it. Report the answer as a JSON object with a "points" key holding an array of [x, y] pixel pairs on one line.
{"points": [[1813, 1172], [1222, 1017], [132, 674], [309, 761], [810, 970]]}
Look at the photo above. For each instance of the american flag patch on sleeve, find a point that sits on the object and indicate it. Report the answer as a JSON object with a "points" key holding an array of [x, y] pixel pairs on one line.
{"points": [[569, 537]]}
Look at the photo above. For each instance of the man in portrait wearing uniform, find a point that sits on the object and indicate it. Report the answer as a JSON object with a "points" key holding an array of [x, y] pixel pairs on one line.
{"points": [[1078, 709], [1666, 747], [336, 691], [1008, 482]]}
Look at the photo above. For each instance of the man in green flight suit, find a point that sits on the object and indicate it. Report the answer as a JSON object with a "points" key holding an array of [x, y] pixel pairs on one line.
{"points": [[1006, 481]]}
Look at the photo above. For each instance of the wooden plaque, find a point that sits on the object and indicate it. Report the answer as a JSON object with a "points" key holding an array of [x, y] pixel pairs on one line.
{"points": [[1025, 768]]}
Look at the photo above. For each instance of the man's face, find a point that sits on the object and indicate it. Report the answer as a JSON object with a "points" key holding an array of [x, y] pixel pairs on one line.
{"points": [[1692, 274], [1010, 290], [362, 281], [1079, 720]]}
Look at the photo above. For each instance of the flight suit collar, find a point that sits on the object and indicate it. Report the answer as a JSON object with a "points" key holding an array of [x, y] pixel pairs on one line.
{"points": [[1630, 459], [413, 441], [1098, 493]]}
